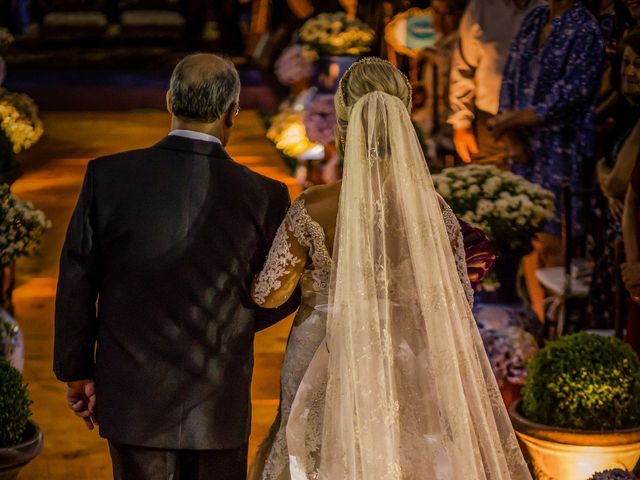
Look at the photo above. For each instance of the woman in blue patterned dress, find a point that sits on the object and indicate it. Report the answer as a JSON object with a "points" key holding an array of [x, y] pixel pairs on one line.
{"points": [[548, 96]]}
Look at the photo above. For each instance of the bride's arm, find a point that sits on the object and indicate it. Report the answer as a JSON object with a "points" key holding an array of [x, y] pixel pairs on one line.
{"points": [[479, 252], [284, 266], [457, 245]]}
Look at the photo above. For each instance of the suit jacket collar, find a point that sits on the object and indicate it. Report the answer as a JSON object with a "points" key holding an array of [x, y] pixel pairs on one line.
{"points": [[189, 145]]}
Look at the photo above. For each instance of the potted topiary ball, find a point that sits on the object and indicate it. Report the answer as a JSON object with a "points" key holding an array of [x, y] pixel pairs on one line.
{"points": [[615, 474], [20, 438], [580, 407]]}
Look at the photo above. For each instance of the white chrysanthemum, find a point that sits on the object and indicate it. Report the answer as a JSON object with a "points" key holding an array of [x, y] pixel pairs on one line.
{"points": [[504, 204], [21, 228]]}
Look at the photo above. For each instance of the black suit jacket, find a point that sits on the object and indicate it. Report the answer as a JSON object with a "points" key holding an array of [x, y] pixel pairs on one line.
{"points": [[153, 296]]}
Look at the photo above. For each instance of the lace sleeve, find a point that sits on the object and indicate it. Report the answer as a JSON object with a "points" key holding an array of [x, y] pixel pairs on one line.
{"points": [[457, 243], [285, 263]]}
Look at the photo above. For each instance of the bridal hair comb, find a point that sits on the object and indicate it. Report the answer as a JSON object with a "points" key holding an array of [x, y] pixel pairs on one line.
{"points": [[367, 61]]}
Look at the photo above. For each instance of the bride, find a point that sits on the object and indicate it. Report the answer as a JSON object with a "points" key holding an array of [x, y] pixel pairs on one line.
{"points": [[385, 375]]}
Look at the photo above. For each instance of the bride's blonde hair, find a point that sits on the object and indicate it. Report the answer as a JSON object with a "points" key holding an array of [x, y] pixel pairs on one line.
{"points": [[368, 75]]}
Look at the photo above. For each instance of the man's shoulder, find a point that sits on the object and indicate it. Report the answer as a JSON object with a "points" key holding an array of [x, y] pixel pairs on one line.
{"points": [[262, 181], [115, 159]]}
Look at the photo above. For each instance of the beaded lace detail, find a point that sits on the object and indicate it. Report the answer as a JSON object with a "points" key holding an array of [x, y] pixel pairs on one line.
{"points": [[309, 332], [297, 225]]}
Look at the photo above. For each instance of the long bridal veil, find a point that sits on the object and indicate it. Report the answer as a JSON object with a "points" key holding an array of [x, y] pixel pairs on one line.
{"points": [[402, 388]]}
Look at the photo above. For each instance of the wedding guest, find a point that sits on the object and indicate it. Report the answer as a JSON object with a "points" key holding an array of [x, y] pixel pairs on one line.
{"points": [[631, 269], [613, 117], [633, 6], [614, 174], [486, 31], [435, 75], [548, 97], [630, 224]]}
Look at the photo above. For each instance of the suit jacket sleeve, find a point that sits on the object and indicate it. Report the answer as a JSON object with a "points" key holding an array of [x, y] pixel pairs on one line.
{"points": [[268, 316], [78, 286]]}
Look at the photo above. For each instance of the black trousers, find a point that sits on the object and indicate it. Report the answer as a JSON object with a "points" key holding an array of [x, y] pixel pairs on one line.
{"points": [[140, 463]]}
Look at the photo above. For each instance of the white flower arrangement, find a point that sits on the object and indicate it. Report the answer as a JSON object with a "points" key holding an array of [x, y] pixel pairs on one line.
{"points": [[508, 208], [335, 34], [21, 228], [19, 120]]}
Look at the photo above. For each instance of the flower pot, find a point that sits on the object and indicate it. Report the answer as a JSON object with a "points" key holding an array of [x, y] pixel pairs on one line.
{"points": [[564, 454], [13, 459], [511, 393], [328, 71]]}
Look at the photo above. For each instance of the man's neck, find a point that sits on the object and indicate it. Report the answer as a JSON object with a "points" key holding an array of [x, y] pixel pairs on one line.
{"points": [[212, 129]]}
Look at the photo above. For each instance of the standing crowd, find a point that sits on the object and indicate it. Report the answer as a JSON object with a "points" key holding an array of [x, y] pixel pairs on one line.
{"points": [[551, 91]]}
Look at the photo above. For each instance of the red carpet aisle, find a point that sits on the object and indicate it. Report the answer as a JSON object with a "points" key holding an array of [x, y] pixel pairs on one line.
{"points": [[54, 169]]}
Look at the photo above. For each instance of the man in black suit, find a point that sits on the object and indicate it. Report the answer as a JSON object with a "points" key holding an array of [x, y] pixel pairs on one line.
{"points": [[154, 320]]}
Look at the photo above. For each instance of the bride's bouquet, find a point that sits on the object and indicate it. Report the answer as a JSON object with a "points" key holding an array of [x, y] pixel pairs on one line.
{"points": [[508, 208], [21, 227], [335, 34]]}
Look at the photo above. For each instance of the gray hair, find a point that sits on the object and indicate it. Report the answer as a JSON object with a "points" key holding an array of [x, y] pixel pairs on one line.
{"points": [[203, 87]]}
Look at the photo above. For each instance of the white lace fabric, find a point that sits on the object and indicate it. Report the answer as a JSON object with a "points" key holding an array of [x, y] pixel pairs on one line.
{"points": [[299, 241], [311, 264], [401, 389]]}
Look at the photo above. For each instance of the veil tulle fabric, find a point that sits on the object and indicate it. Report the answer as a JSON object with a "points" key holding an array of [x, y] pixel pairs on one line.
{"points": [[402, 388]]}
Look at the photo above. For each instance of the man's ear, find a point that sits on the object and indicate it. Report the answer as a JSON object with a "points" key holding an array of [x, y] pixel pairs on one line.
{"points": [[168, 101], [230, 116]]}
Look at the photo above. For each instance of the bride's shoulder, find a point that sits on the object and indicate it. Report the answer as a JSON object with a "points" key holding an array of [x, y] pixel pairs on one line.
{"points": [[319, 193], [320, 202]]}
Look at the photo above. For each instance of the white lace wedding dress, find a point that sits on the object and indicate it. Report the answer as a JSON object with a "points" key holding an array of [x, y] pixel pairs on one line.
{"points": [[385, 375], [300, 251]]}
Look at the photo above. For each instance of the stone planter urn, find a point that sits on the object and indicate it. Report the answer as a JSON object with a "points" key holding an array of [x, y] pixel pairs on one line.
{"points": [[564, 454], [13, 459]]}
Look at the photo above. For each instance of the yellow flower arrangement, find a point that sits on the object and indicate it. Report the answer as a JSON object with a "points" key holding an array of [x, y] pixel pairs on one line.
{"points": [[19, 120], [288, 133], [334, 34]]}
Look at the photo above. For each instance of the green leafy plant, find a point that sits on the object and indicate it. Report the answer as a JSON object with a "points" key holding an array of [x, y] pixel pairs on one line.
{"points": [[585, 382], [15, 405], [615, 474]]}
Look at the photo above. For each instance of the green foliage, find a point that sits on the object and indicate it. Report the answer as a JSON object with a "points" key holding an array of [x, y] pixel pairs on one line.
{"points": [[15, 405], [585, 382], [614, 474]]}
